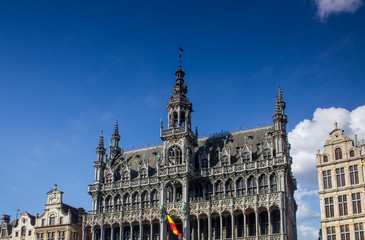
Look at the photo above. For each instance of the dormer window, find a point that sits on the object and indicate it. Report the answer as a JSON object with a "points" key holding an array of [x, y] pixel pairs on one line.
{"points": [[325, 159], [225, 160], [246, 157], [144, 173], [352, 153], [175, 156], [338, 153], [126, 176], [205, 163], [52, 221], [266, 154]]}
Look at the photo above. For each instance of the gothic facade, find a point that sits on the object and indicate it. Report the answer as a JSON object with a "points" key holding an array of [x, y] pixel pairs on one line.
{"points": [[232, 185]]}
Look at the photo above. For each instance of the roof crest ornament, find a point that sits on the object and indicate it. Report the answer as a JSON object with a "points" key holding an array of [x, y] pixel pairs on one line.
{"points": [[180, 50]]}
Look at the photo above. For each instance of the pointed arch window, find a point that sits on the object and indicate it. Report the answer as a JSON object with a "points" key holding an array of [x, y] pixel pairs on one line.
{"points": [[175, 156], [246, 157], [219, 189], [127, 201], [135, 200], [154, 198], [178, 187], [108, 204], [170, 193], [273, 183], [108, 178], [145, 202], [125, 176], [225, 160], [118, 203], [251, 186], [144, 173], [229, 188], [266, 154], [102, 204], [263, 184], [338, 153], [241, 187], [198, 191]]}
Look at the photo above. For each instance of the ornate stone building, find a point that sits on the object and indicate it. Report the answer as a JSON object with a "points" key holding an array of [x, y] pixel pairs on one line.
{"points": [[341, 187], [59, 220], [23, 228], [6, 227], [232, 185]]}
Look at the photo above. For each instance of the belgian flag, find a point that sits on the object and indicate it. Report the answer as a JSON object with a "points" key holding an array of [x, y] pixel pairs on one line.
{"points": [[173, 226]]}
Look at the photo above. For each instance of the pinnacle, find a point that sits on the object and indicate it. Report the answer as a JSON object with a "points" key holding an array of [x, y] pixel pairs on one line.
{"points": [[116, 128]]}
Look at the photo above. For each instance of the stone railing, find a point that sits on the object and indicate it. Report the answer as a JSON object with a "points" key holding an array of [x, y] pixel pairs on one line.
{"points": [[172, 131]]}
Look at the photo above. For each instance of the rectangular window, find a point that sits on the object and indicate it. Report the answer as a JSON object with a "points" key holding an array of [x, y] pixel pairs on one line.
{"points": [[42, 222], [359, 231], [331, 233], [340, 176], [3, 232], [345, 232], [75, 236], [61, 235], [328, 204], [50, 236], [356, 203], [61, 220], [29, 232], [342, 205], [327, 180], [354, 174], [16, 234], [52, 221], [40, 236]]}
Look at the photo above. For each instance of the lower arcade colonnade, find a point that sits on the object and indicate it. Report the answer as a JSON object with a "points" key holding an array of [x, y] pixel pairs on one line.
{"points": [[261, 224]]}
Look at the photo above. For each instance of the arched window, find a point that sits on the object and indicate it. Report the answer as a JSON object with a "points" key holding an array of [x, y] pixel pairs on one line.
{"points": [[229, 188], [275, 221], [266, 154], [198, 191], [325, 159], [135, 200], [101, 205], [178, 187], [338, 153], [23, 231], [118, 203], [218, 189], [154, 198], [175, 118], [175, 156], [182, 117], [143, 173], [108, 204], [225, 160], [251, 185], [246, 157], [204, 163], [273, 183], [170, 194], [241, 187], [352, 153], [145, 201], [126, 176], [263, 184], [127, 201], [264, 223]]}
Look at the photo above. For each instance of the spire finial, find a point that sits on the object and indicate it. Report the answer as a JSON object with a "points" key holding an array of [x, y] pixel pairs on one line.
{"points": [[101, 141], [180, 50], [335, 125], [55, 187], [116, 128]]}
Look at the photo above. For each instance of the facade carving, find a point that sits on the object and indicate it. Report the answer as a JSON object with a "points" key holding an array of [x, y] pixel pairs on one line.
{"points": [[232, 185], [341, 187]]}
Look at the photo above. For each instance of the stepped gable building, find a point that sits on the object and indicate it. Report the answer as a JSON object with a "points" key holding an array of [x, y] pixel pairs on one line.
{"points": [[235, 185], [23, 228], [6, 227], [341, 187], [59, 220]]}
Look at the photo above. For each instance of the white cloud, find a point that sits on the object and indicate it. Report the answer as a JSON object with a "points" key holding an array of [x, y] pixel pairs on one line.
{"points": [[327, 7], [310, 135], [307, 232], [305, 198]]}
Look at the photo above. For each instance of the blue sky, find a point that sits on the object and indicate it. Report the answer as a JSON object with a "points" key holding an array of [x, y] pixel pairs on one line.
{"points": [[71, 69]]}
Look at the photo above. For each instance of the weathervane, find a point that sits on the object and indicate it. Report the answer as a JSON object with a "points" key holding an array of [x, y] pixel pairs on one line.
{"points": [[181, 50]]}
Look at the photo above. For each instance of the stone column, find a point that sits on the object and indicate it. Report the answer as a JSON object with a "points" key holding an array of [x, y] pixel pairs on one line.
{"points": [[131, 233], [140, 230], [244, 225], [151, 231], [269, 218], [83, 228], [232, 225], [282, 221], [209, 225], [121, 231], [198, 225], [186, 223], [257, 222], [221, 226], [112, 233], [162, 229], [93, 237]]}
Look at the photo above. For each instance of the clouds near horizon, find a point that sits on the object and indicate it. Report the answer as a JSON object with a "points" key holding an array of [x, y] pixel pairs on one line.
{"points": [[325, 8]]}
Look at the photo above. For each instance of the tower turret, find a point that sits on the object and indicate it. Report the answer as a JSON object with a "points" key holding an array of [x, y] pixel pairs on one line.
{"points": [[115, 149], [280, 120], [99, 164]]}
